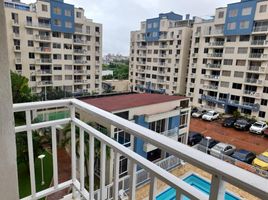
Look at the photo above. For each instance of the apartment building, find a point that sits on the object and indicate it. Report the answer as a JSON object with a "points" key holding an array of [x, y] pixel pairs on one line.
{"points": [[229, 56], [53, 44], [166, 115], [159, 54]]}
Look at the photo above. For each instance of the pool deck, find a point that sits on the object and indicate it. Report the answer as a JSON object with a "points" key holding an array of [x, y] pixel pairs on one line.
{"points": [[143, 192]]}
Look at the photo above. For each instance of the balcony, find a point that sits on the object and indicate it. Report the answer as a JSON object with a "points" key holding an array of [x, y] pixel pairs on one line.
{"points": [[44, 83], [214, 77], [221, 171], [252, 93], [258, 56], [80, 51], [254, 81], [211, 87], [43, 60], [43, 72], [215, 55], [79, 41], [256, 69], [214, 66], [260, 29], [258, 42], [43, 49], [38, 25], [80, 62], [216, 43], [42, 37]]}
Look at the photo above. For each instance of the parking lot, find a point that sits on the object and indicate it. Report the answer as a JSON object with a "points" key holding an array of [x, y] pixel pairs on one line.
{"points": [[241, 139]]}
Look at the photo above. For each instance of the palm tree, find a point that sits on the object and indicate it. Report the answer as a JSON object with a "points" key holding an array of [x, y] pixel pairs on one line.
{"points": [[97, 145]]}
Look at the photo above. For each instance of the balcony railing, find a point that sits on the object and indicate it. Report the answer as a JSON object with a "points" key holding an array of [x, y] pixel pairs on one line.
{"points": [[258, 42], [221, 171], [260, 29], [42, 37], [217, 43], [215, 66]]}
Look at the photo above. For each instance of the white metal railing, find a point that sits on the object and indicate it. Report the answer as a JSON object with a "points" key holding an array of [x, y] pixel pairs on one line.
{"points": [[221, 171]]}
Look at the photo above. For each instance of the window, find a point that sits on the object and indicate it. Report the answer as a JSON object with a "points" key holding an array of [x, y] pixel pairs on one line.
{"points": [[183, 119], [262, 114], [68, 67], [68, 77], [67, 57], [240, 62], [237, 86], [68, 24], [226, 73], [158, 126], [233, 13], [231, 26], [67, 36], [238, 74], [57, 10], [57, 56], [29, 31], [149, 25], [224, 84], [123, 166], [78, 15], [264, 102], [68, 13], [18, 67], [44, 8], [57, 22], [246, 11], [220, 14], [244, 38], [263, 8], [229, 50], [265, 90], [122, 137], [227, 62], [30, 43], [244, 25], [57, 77], [56, 45], [57, 67], [242, 50], [56, 34], [155, 25], [33, 78], [32, 67], [31, 55], [231, 39]]}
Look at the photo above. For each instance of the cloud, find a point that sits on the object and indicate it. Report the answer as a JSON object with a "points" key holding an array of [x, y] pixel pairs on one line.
{"points": [[119, 17]]}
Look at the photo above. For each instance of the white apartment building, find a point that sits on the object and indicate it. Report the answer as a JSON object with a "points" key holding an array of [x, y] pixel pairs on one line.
{"points": [[53, 44], [229, 56], [159, 55]]}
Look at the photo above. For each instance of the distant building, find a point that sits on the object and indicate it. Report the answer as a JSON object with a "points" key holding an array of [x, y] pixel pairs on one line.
{"points": [[53, 44], [167, 115], [115, 85], [159, 56], [107, 59], [107, 73]]}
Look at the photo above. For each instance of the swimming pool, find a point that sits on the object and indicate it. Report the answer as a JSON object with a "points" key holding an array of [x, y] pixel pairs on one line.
{"points": [[197, 182]]}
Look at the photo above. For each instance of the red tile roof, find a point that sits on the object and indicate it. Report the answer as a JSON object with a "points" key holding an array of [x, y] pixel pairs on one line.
{"points": [[122, 102]]}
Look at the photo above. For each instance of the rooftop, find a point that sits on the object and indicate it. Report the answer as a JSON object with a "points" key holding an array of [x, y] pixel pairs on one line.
{"points": [[121, 102]]}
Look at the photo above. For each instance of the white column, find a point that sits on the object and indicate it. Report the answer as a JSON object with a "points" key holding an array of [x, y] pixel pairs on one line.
{"points": [[217, 189], [8, 166]]}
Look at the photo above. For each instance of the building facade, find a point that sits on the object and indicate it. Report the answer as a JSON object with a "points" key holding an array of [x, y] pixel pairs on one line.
{"points": [[229, 56], [159, 55], [53, 44], [166, 115]]}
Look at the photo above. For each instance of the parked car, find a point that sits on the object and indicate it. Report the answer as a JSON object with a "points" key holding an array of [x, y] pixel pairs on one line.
{"points": [[206, 144], [195, 109], [258, 127], [211, 115], [221, 149], [261, 161], [244, 156], [243, 124], [194, 138], [199, 113], [265, 132], [229, 122]]}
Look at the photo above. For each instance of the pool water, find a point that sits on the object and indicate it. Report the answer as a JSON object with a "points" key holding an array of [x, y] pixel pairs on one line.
{"points": [[195, 181]]}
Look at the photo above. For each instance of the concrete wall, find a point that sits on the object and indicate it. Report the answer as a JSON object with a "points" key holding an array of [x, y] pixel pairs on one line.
{"points": [[8, 164]]}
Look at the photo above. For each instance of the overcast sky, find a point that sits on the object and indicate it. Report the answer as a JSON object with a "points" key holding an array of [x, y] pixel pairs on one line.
{"points": [[119, 17]]}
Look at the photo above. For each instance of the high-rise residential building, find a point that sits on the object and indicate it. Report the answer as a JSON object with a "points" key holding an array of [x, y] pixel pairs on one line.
{"points": [[159, 54], [229, 57], [53, 44]]}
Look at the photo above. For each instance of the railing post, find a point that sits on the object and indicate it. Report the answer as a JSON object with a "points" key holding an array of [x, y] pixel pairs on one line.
{"points": [[30, 153], [73, 149], [82, 159], [217, 189], [178, 195], [116, 175], [103, 169], [55, 156], [133, 178], [153, 187], [91, 167]]}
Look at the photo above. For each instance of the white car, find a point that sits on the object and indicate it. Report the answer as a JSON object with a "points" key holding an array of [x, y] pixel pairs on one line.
{"points": [[211, 115], [221, 149], [258, 127], [199, 113]]}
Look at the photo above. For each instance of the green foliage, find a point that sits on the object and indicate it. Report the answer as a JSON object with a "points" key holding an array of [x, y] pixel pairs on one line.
{"points": [[236, 114], [54, 94], [119, 68], [20, 90]]}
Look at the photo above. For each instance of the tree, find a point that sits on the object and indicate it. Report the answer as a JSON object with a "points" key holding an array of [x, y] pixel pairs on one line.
{"points": [[54, 93], [21, 92]]}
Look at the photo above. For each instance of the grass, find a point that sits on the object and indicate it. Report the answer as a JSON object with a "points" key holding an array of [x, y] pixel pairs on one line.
{"points": [[24, 177]]}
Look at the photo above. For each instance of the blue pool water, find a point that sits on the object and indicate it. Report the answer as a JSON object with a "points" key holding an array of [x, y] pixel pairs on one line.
{"points": [[198, 183]]}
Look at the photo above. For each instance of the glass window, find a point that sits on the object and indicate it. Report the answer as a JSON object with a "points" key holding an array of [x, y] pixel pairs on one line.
{"points": [[183, 119], [57, 22], [44, 8], [231, 26], [231, 39], [263, 8], [122, 137], [233, 13], [30, 43], [67, 13], [242, 50], [57, 10], [68, 24], [221, 15], [149, 25], [158, 126], [244, 25], [229, 50], [78, 15], [240, 62], [246, 11]]}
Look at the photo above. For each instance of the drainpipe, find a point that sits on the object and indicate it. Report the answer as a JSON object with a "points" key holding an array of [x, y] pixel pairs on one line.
{"points": [[8, 164]]}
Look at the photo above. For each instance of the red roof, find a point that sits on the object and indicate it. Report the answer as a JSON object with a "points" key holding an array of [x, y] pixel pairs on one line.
{"points": [[122, 102]]}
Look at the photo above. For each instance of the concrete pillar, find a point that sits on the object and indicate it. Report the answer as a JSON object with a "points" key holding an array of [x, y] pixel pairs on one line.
{"points": [[8, 163]]}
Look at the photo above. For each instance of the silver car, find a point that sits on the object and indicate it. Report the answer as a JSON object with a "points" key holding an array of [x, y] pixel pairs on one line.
{"points": [[221, 149]]}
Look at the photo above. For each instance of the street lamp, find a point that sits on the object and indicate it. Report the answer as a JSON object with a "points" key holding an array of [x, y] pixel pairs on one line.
{"points": [[208, 138], [41, 157]]}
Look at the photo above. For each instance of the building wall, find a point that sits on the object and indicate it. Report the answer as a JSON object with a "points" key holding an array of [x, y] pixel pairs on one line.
{"points": [[117, 85], [159, 55], [228, 68], [75, 67]]}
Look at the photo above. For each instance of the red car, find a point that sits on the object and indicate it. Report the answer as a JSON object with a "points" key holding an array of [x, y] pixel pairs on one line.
{"points": [[265, 132]]}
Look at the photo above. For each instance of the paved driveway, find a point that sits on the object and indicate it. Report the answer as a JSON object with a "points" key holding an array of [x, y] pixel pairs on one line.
{"points": [[241, 139]]}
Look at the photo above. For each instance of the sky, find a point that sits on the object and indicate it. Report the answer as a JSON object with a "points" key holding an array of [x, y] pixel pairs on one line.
{"points": [[120, 17]]}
